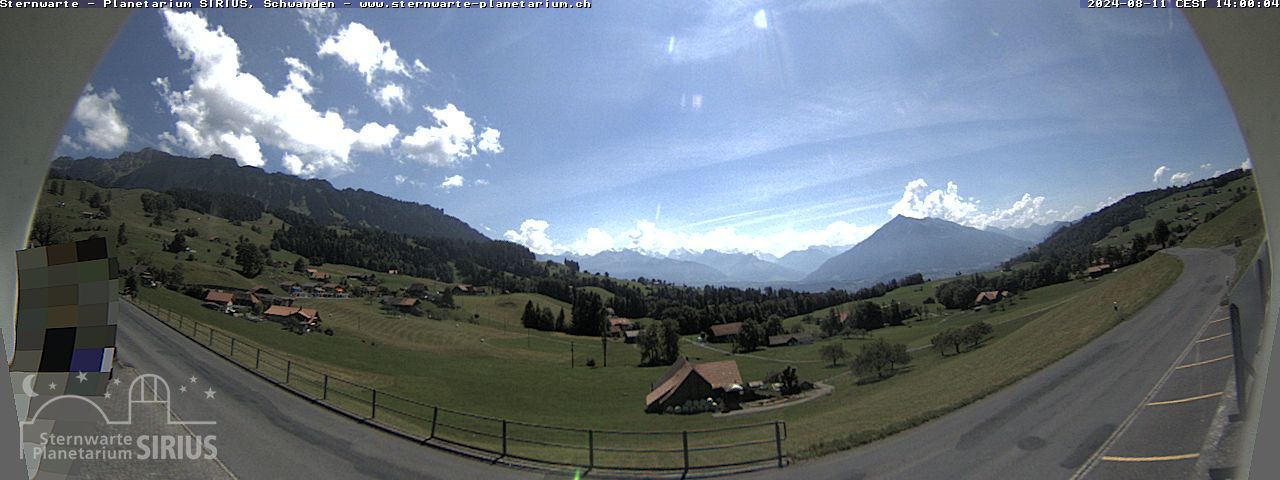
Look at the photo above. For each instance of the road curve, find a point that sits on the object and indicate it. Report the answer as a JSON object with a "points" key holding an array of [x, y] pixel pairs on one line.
{"points": [[1051, 423]]}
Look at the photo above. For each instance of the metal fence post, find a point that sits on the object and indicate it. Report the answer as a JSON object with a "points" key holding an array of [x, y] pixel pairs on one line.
{"points": [[1238, 356], [777, 438], [373, 404], [257, 358], [324, 395], [233, 348], [504, 437], [685, 434], [435, 413], [591, 449], [288, 369], [211, 337]]}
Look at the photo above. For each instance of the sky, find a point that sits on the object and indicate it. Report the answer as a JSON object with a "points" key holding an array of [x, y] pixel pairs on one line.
{"points": [[739, 126]]}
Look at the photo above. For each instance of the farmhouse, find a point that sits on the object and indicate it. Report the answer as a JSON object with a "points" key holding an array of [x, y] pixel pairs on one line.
{"points": [[630, 336], [686, 382], [725, 332], [989, 297], [219, 298], [404, 305], [618, 326], [1098, 270], [317, 275], [416, 290], [246, 299], [791, 339], [466, 289], [297, 319]]}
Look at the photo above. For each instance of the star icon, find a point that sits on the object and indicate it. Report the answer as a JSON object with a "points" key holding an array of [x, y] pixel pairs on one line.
{"points": [[208, 394], [82, 377], [53, 386], [107, 395], [115, 381], [193, 379], [182, 389]]}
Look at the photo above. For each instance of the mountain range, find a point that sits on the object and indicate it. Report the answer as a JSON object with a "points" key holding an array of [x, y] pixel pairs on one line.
{"points": [[160, 171]]}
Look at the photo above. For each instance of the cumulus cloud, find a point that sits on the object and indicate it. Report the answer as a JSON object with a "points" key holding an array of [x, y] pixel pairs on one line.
{"points": [[1155, 177], [226, 110], [400, 179], [390, 96], [359, 48], [298, 73], [454, 181], [374, 137], [1206, 166], [104, 128], [450, 141], [918, 201], [1179, 178], [646, 236]]}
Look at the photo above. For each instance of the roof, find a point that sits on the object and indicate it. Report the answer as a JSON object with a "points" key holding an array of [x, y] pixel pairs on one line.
{"points": [[778, 340], [632, 333], [406, 302], [990, 296], [219, 297], [667, 385], [722, 374], [1098, 268], [619, 321], [726, 329], [283, 311], [463, 287]]}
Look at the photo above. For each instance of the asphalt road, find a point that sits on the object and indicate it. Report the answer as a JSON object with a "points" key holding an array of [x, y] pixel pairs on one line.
{"points": [[1054, 422], [265, 432], [1049, 425]]}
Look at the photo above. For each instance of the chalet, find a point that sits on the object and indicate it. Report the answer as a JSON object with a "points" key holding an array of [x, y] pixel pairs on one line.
{"points": [[465, 289], [630, 336], [404, 305], [317, 275], [219, 298], [989, 297], [684, 382], [297, 319], [393, 271], [1098, 270], [618, 326], [791, 339], [725, 332], [246, 299], [260, 290]]}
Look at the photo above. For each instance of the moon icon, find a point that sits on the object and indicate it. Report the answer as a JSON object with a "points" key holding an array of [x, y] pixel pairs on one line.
{"points": [[27, 388]]}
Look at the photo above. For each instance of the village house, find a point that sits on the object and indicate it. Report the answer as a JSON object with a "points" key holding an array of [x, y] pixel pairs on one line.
{"points": [[685, 382], [317, 275], [631, 336], [790, 339], [1098, 270], [725, 332], [416, 290], [989, 297], [246, 299], [297, 319], [221, 299], [465, 289], [402, 304], [618, 326]]}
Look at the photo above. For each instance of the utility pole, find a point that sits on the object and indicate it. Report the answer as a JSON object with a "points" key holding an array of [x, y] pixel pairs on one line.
{"points": [[570, 354]]}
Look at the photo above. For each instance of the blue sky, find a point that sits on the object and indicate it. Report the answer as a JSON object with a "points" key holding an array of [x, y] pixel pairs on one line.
{"points": [[728, 125]]}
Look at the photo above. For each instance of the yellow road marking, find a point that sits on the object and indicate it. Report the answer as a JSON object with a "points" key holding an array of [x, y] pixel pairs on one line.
{"points": [[1185, 456], [1223, 319], [1206, 362], [1185, 400], [1215, 337]]}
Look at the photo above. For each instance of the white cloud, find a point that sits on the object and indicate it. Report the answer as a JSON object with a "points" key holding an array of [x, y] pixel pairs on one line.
{"points": [[919, 202], [1247, 164], [358, 47], [104, 128], [374, 137], [226, 110], [480, 182], [1179, 178], [69, 143], [419, 66], [533, 234], [452, 182], [1155, 177], [648, 237], [298, 73], [400, 179], [390, 96], [451, 140], [1206, 166]]}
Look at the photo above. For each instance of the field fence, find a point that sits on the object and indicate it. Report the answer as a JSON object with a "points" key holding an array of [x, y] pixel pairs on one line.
{"points": [[717, 450]]}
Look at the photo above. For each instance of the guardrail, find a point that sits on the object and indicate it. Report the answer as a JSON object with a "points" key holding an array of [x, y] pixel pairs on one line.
{"points": [[513, 442]]}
